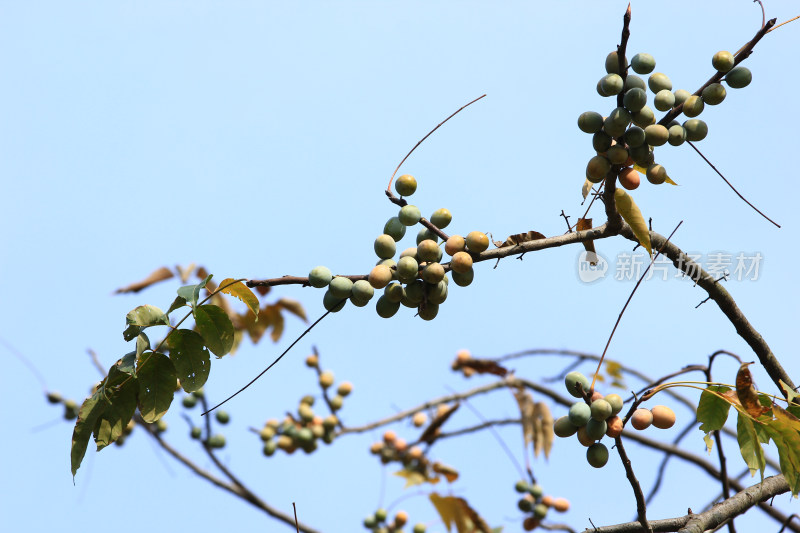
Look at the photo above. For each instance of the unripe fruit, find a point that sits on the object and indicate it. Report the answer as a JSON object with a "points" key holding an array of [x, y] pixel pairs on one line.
{"points": [[722, 61], [571, 381], [405, 185], [590, 122], [612, 63], [579, 414], [216, 441], [426, 234], [597, 168], [455, 243], [739, 77], [433, 273], [644, 117], [521, 486], [693, 106], [266, 433], [409, 215], [617, 154], [196, 433], [561, 505], [635, 99], [362, 290], [595, 429], [658, 82], [642, 155], [696, 129], [395, 228], [332, 303], [597, 455], [319, 277], [664, 100], [714, 94], [304, 436], [677, 135], [601, 410], [477, 242], [463, 279], [539, 510], [189, 401], [385, 247], [615, 401], [419, 528], [428, 311], [656, 135], [614, 427], [619, 116], [643, 63], [312, 361], [601, 141], [380, 276], [394, 292], [629, 178], [441, 218], [285, 442], [407, 268], [223, 417], [340, 286], [345, 388], [663, 417], [437, 294], [326, 379], [584, 438], [461, 262], [525, 505], [337, 402], [386, 308], [634, 136], [632, 81], [415, 293], [611, 84], [381, 514], [427, 251], [370, 522], [420, 419], [563, 428], [656, 174], [641, 419], [305, 412]]}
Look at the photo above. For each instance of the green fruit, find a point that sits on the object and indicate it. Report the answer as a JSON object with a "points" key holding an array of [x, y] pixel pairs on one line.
{"points": [[370, 522], [589, 122], [601, 141], [611, 84], [223, 417], [632, 81], [597, 455], [601, 409], [305, 412], [562, 427], [266, 433], [681, 95], [441, 218], [269, 448], [319, 277], [425, 234], [595, 429], [362, 290], [386, 308], [419, 528], [385, 247], [617, 154], [597, 168], [405, 185], [407, 268], [540, 510], [477, 242], [642, 155], [415, 292], [333, 303], [394, 292], [693, 106], [615, 400], [525, 505], [723, 61], [433, 273], [677, 135], [409, 215], [619, 118], [54, 397], [656, 134], [395, 228], [696, 129], [216, 441], [635, 99], [600, 89], [381, 514], [579, 414], [521, 486], [196, 433], [308, 400], [463, 279], [70, 410], [643, 63], [535, 490], [304, 436], [714, 94], [634, 136], [664, 100], [427, 251], [614, 129], [329, 422], [341, 287], [644, 117], [656, 174], [612, 63], [428, 311], [437, 294], [571, 381], [189, 401], [658, 82]]}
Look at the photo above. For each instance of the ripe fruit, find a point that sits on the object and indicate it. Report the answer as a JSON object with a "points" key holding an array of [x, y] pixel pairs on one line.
{"points": [[572, 379], [656, 134], [584, 438], [380, 276], [455, 243], [629, 178], [477, 242], [420, 419], [641, 419], [530, 523], [400, 519], [579, 414], [326, 379], [385, 247], [433, 273], [562, 427], [693, 106], [722, 61], [635, 99], [332, 303], [362, 291], [614, 427], [601, 409], [441, 218], [643, 63], [739, 77], [656, 174], [615, 401], [664, 100], [312, 361], [427, 251], [597, 168], [663, 417], [597, 455], [345, 388], [223, 417], [461, 262], [319, 277], [590, 122], [696, 129], [405, 185], [658, 82], [611, 84], [612, 62], [561, 505], [714, 94], [395, 228], [409, 215]]}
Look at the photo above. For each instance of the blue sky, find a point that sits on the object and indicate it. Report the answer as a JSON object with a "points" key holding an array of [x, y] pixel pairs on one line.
{"points": [[256, 139]]}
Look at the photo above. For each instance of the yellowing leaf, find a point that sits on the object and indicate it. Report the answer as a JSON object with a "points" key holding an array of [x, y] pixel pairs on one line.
{"points": [[526, 413], [159, 275], [450, 473], [630, 212], [414, 478], [747, 394], [241, 291], [545, 434], [456, 511], [669, 180], [294, 307], [587, 187], [641, 170]]}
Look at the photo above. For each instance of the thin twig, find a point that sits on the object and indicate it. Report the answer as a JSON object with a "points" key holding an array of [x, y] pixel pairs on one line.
{"points": [[641, 506], [782, 23]]}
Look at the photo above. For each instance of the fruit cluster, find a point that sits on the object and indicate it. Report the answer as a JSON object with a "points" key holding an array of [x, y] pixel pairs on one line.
{"points": [[395, 449], [217, 440], [534, 501], [417, 279], [593, 420], [378, 522], [628, 135]]}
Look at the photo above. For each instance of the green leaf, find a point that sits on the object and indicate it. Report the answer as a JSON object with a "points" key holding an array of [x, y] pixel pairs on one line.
{"points": [[147, 315], [712, 411], [131, 332], [216, 328], [142, 344], [117, 414], [157, 378], [241, 291], [785, 432], [177, 303], [191, 293], [749, 445], [126, 364], [190, 357], [630, 212], [88, 414]]}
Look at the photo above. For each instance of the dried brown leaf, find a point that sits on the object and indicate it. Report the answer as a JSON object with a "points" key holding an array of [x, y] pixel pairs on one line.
{"points": [[545, 429], [294, 307], [519, 238], [746, 392], [185, 273], [456, 511], [450, 473], [527, 409], [481, 366], [431, 432], [582, 225], [158, 275]]}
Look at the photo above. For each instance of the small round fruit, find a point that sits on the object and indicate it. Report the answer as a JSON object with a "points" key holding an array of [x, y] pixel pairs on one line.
{"points": [[597, 455], [539, 510], [385, 247], [428, 311], [380, 276], [535, 490], [571, 381], [696, 129], [405, 185], [579, 414], [601, 409], [641, 419], [386, 308], [663, 416], [656, 174], [612, 62], [266, 433], [714, 94], [344, 388], [332, 303], [615, 401], [739, 77], [409, 215], [664, 100], [269, 448], [617, 154], [597, 168], [595, 429], [723, 61], [223, 417], [463, 279], [427, 251], [658, 82], [629, 178], [632, 81], [414, 293], [614, 427], [590, 122], [395, 228], [189, 401], [620, 117], [677, 135], [407, 268], [635, 99], [601, 141], [525, 505], [433, 273], [319, 277], [656, 134], [420, 419], [337, 402], [643, 63], [419, 528], [642, 155], [584, 438], [400, 519], [362, 290], [644, 117], [341, 286], [563, 428], [561, 505], [530, 523], [196, 432], [394, 292], [326, 379], [477, 242], [521, 486], [437, 294], [693, 106], [454, 244], [461, 262], [312, 361], [370, 522], [611, 84], [634, 136], [426, 234], [216, 441], [441, 218]]}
